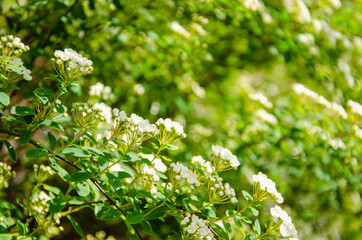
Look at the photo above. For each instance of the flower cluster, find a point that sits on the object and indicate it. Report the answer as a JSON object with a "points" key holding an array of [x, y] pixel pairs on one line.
{"points": [[40, 209], [175, 26], [12, 46], [258, 96], [264, 187], [5, 175], [286, 227], [205, 166], [267, 117], [299, 10], [355, 107], [223, 159], [42, 172], [220, 193], [180, 172], [195, 228], [332, 106], [71, 60], [16, 65], [86, 115], [101, 91], [258, 6], [156, 162], [149, 180], [335, 143], [169, 131]]}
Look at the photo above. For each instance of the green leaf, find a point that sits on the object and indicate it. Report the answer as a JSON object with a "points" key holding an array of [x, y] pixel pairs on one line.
{"points": [[52, 141], [131, 156], [247, 195], [24, 137], [171, 147], [145, 150], [253, 211], [166, 158], [56, 205], [43, 92], [209, 212], [10, 150], [56, 168], [5, 236], [4, 99], [14, 119], [52, 124], [257, 227], [22, 227], [238, 223], [94, 151], [21, 110], [52, 189], [76, 152], [36, 153], [82, 189], [80, 176], [75, 224], [250, 236], [134, 217], [228, 228]]}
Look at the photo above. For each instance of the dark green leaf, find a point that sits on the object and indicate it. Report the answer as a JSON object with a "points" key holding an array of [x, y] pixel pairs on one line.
{"points": [[80, 176], [56, 205], [21, 110], [14, 119], [52, 141], [36, 153], [22, 227], [134, 217], [24, 137], [10, 150], [145, 150], [75, 224]]}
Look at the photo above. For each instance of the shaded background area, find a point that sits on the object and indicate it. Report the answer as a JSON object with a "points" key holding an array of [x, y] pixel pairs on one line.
{"points": [[201, 63]]}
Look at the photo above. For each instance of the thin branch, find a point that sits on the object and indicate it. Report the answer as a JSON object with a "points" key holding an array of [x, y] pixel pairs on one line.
{"points": [[94, 181]]}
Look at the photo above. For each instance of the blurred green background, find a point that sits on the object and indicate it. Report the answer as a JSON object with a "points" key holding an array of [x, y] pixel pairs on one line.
{"points": [[204, 64]]}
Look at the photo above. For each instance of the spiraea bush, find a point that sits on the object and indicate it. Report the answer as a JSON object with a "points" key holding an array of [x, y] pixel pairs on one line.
{"points": [[117, 166], [276, 82]]}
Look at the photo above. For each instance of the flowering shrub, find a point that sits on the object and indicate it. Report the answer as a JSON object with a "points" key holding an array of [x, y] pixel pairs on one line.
{"points": [[108, 163], [227, 71]]}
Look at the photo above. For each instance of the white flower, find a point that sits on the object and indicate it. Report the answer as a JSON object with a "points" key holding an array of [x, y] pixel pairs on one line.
{"points": [[175, 26], [287, 228], [299, 10], [227, 156], [267, 117], [16, 62], [73, 60], [258, 96], [268, 185]]}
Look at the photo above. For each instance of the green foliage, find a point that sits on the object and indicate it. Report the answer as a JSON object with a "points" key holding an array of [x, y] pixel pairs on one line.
{"points": [[204, 64]]}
